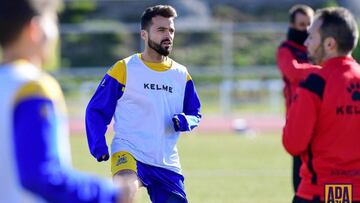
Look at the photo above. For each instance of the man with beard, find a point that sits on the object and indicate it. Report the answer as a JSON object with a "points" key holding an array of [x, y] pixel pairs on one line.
{"points": [[293, 62], [152, 99], [323, 122]]}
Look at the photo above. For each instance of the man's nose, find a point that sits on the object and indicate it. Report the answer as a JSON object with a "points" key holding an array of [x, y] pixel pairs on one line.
{"points": [[168, 34]]}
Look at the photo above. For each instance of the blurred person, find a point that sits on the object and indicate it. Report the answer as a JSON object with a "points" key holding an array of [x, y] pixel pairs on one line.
{"points": [[34, 145], [152, 99], [293, 63], [323, 124]]}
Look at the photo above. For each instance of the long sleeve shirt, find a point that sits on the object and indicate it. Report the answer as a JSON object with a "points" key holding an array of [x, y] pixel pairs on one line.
{"points": [[139, 94], [323, 127], [34, 145]]}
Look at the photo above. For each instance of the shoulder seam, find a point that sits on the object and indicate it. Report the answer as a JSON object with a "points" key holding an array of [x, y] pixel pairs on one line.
{"points": [[47, 87], [118, 71], [315, 84]]}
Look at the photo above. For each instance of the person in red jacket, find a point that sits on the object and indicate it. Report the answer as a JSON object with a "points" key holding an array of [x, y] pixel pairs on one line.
{"points": [[293, 62], [323, 122]]}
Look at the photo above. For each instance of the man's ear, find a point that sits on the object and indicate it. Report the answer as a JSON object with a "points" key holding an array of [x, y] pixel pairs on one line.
{"points": [[33, 30], [330, 44], [144, 35]]}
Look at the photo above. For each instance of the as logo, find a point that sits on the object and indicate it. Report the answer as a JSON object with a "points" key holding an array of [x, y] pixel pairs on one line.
{"points": [[121, 160], [338, 193]]}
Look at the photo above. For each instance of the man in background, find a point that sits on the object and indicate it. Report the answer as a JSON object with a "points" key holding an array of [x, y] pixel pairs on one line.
{"points": [[323, 122], [34, 145], [293, 62]]}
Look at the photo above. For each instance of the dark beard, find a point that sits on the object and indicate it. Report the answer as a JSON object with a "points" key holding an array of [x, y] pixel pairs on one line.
{"points": [[319, 55], [158, 48], [297, 36]]}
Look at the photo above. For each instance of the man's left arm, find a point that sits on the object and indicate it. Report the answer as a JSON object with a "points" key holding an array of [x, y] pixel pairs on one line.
{"points": [[190, 117]]}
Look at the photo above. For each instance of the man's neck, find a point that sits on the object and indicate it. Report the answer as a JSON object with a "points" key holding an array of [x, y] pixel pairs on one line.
{"points": [[13, 54], [334, 55], [150, 55]]}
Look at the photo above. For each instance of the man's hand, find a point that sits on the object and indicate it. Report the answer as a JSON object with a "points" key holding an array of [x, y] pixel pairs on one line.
{"points": [[180, 122], [104, 157]]}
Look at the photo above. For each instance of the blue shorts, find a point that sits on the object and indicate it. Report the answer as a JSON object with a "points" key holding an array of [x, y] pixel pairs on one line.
{"points": [[163, 185]]}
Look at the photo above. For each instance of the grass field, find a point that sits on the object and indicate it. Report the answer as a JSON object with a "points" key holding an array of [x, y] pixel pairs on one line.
{"points": [[227, 168]]}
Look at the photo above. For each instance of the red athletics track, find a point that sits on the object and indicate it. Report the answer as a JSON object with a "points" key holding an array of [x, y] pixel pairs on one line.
{"points": [[259, 123]]}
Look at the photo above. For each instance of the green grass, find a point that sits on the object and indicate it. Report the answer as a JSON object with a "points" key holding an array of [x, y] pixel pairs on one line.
{"points": [[223, 168]]}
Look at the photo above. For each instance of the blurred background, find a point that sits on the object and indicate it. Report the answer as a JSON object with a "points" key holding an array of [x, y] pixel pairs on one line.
{"points": [[229, 47]]}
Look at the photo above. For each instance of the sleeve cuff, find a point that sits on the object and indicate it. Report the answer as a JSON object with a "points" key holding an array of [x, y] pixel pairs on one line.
{"points": [[180, 122], [99, 152]]}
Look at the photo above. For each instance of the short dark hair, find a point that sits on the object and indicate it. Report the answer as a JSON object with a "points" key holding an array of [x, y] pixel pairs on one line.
{"points": [[15, 14], [339, 24], [300, 8], [166, 11]]}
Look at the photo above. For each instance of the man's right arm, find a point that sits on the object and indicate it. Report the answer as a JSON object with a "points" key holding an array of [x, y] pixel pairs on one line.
{"points": [[294, 71], [38, 157], [101, 108]]}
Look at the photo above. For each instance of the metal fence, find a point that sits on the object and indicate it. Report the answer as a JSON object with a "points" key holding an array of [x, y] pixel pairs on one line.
{"points": [[236, 90]]}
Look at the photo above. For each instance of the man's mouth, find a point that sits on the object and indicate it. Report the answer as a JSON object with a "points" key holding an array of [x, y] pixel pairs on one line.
{"points": [[166, 43]]}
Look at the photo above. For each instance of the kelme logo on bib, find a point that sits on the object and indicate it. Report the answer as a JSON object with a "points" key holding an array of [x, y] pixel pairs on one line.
{"points": [[152, 86]]}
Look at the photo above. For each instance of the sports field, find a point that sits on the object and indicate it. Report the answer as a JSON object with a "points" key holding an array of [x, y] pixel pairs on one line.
{"points": [[219, 168]]}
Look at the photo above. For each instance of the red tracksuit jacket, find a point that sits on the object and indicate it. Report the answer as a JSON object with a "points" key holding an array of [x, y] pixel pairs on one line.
{"points": [[323, 127], [294, 67]]}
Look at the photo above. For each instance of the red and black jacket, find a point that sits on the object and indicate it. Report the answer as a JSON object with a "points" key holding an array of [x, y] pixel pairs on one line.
{"points": [[294, 66], [323, 127]]}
